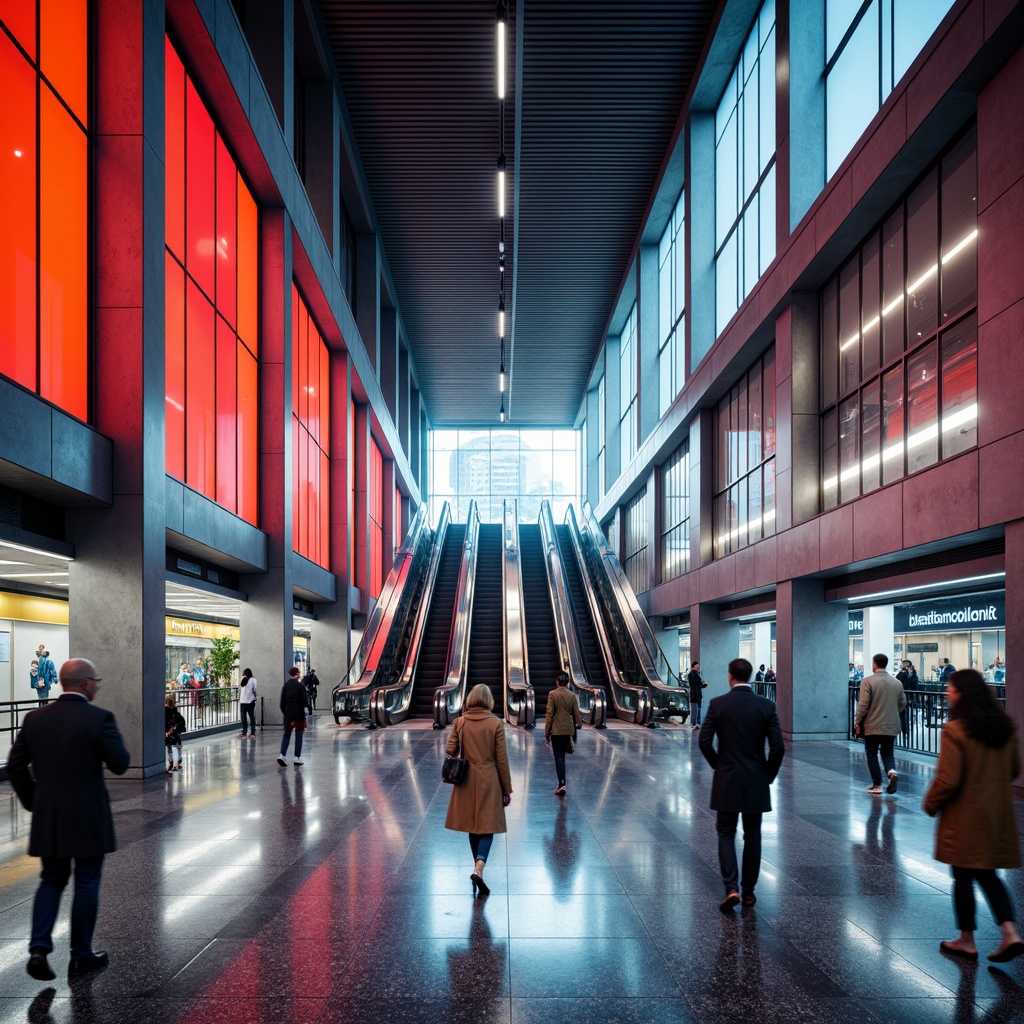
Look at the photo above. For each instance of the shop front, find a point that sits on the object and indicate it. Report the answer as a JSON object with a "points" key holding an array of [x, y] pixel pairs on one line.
{"points": [[26, 624]]}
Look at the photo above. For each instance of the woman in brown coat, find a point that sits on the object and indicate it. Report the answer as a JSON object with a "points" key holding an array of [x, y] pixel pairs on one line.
{"points": [[561, 722], [977, 831], [477, 804]]}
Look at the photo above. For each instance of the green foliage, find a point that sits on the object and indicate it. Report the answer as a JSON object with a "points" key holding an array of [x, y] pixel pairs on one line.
{"points": [[223, 658]]}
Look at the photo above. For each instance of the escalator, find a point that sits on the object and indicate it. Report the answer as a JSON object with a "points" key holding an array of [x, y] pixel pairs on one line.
{"points": [[590, 648], [432, 665], [541, 643], [486, 635]]}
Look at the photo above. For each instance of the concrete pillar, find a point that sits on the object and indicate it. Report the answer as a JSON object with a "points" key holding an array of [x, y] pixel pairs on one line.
{"points": [[270, 32], [266, 617], [668, 641], [329, 635], [714, 642], [878, 636], [367, 311], [763, 645], [387, 370], [403, 402], [812, 641], [1015, 628], [323, 162], [116, 594], [389, 526]]}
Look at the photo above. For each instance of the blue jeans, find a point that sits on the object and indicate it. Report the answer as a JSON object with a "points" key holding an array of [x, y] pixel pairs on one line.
{"points": [[480, 845], [84, 907], [695, 712], [299, 733], [249, 711]]}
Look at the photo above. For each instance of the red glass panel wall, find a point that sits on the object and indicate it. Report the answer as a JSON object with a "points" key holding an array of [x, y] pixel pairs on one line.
{"points": [[375, 513], [44, 177], [212, 260], [311, 396]]}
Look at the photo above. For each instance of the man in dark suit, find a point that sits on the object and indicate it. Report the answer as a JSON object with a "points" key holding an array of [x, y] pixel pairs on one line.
{"points": [[67, 743], [743, 722]]}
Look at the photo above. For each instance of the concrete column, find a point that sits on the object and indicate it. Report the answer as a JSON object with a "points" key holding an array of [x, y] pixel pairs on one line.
{"points": [[812, 639], [266, 618], [329, 635], [270, 32], [403, 403], [417, 457], [323, 159], [878, 636], [668, 640], [1015, 628], [389, 527], [714, 642], [763, 645], [361, 508], [367, 311], [387, 370], [116, 595]]}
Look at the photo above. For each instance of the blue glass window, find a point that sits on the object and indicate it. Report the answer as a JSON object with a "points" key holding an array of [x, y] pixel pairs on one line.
{"points": [[672, 308]]}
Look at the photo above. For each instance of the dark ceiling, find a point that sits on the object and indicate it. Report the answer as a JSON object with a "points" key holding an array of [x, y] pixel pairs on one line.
{"points": [[593, 100]]}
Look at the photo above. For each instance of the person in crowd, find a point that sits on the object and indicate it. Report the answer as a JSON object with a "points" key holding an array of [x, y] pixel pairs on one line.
{"points": [[174, 727], [946, 671], [247, 702], [47, 675], [998, 671], [769, 676], [294, 704], [477, 805], [695, 681], [66, 745], [972, 794], [184, 676], [759, 674], [199, 676], [34, 680], [907, 677], [312, 684], [878, 721], [743, 723], [561, 723]]}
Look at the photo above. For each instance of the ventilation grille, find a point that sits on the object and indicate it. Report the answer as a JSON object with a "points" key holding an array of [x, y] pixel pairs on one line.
{"points": [[24, 512]]}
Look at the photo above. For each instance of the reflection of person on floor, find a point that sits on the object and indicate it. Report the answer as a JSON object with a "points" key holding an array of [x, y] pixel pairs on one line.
{"points": [[973, 796], [562, 850]]}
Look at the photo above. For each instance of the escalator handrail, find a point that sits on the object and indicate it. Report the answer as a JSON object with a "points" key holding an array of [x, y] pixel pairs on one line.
{"points": [[663, 681], [570, 654], [637, 704], [391, 704], [449, 698], [519, 698], [354, 690]]}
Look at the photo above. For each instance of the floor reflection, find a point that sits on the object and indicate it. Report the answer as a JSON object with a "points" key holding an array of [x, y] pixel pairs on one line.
{"points": [[562, 851]]}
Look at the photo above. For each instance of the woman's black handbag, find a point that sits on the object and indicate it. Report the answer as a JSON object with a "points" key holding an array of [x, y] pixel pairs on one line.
{"points": [[454, 769]]}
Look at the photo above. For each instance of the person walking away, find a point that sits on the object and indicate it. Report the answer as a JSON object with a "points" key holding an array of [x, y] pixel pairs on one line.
{"points": [[174, 728], [247, 701], [66, 744], [695, 681], [973, 796], [294, 703], [47, 676], [561, 723], [769, 676], [743, 722], [311, 684], [477, 805], [878, 721]]}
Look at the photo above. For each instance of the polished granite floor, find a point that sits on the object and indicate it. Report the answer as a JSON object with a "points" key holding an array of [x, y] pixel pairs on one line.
{"points": [[332, 893]]}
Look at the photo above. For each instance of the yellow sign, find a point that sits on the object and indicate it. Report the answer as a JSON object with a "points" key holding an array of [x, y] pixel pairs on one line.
{"points": [[33, 609], [193, 629]]}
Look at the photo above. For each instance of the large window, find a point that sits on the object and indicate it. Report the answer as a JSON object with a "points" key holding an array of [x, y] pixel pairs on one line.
{"points": [[627, 390], [602, 439], [745, 169], [44, 179], [634, 552], [869, 45], [745, 459], [311, 432], [211, 264], [675, 514], [672, 308], [488, 466], [899, 337]]}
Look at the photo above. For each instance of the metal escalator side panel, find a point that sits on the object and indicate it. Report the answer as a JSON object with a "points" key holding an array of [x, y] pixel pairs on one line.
{"points": [[519, 699], [382, 637], [591, 698]]}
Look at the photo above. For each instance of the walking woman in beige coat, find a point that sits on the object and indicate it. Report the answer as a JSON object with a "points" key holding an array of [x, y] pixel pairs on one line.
{"points": [[977, 832], [561, 722], [478, 803]]}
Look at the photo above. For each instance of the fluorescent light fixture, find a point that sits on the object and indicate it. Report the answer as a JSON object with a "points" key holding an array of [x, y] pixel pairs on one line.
{"points": [[502, 27], [9, 544], [986, 577]]}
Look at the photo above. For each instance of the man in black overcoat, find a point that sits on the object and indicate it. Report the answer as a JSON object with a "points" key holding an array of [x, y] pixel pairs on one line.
{"points": [[67, 743], [743, 723]]}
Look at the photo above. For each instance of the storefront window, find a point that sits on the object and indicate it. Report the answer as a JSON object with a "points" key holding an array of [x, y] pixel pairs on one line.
{"points": [[899, 338]]}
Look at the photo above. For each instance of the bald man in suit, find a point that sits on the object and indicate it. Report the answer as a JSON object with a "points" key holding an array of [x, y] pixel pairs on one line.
{"points": [[67, 743]]}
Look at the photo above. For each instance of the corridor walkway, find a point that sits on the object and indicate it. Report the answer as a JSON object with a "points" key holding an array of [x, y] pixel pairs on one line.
{"points": [[244, 892]]}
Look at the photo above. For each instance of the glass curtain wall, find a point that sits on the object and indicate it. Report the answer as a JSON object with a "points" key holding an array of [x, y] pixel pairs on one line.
{"points": [[488, 466], [869, 45], [634, 551], [899, 335], [672, 308], [627, 390], [675, 514], [745, 169]]}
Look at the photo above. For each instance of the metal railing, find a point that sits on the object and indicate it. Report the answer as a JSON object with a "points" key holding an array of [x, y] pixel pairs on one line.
{"points": [[11, 714], [570, 652], [763, 689], [207, 708], [926, 714]]}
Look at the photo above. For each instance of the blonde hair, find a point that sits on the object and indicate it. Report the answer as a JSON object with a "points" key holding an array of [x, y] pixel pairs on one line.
{"points": [[480, 697], [170, 702]]}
